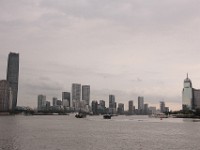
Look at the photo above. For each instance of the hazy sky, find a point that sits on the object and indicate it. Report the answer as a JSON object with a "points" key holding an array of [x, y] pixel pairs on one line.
{"points": [[128, 48]]}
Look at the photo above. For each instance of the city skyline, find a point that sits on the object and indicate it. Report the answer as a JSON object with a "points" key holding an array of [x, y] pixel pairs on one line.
{"points": [[126, 48]]}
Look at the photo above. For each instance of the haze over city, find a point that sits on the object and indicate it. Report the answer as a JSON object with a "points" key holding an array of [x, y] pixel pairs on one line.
{"points": [[126, 48]]}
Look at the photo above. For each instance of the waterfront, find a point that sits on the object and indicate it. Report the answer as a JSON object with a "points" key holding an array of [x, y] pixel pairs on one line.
{"points": [[95, 133]]}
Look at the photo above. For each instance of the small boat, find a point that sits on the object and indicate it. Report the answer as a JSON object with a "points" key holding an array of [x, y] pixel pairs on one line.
{"points": [[107, 116], [80, 115]]}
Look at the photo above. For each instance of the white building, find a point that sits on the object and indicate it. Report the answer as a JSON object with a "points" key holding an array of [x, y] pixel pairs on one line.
{"points": [[187, 94]]}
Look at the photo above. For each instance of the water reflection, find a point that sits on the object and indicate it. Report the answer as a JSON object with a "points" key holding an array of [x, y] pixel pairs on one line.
{"points": [[190, 120], [8, 132]]}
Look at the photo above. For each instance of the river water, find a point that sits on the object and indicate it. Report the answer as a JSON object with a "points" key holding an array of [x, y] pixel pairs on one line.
{"points": [[96, 133]]}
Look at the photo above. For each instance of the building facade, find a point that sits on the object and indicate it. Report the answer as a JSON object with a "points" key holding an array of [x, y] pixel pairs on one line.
{"points": [[86, 94], [13, 76], [5, 96], [187, 94], [41, 102], [76, 92], [140, 105], [130, 107], [196, 98], [66, 100], [162, 106], [120, 109], [112, 104]]}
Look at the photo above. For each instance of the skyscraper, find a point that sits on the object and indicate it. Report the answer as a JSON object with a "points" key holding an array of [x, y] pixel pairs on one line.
{"points": [[5, 96], [76, 92], [196, 98], [41, 102], [187, 94], [162, 106], [130, 107], [66, 99], [120, 108], [112, 104], [86, 94], [140, 104], [13, 76]]}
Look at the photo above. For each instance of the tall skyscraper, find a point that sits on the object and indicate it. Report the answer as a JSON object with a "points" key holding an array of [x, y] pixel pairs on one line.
{"points": [[162, 106], [86, 94], [130, 107], [76, 92], [196, 98], [146, 109], [140, 103], [13, 76], [5, 96], [54, 101], [66, 99], [120, 108], [187, 94], [41, 102], [112, 104]]}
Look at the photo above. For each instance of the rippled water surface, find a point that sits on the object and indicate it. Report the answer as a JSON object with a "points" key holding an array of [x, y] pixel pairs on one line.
{"points": [[95, 133]]}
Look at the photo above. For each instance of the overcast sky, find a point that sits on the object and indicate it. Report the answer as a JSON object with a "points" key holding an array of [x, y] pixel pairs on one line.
{"points": [[128, 48]]}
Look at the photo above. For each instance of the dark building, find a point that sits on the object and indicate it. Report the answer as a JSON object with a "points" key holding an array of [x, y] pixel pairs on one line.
{"points": [[59, 103], [130, 107], [13, 76], [86, 94], [55, 101], [112, 104], [94, 107], [102, 107], [5, 96], [66, 99], [120, 109], [196, 99], [146, 109]]}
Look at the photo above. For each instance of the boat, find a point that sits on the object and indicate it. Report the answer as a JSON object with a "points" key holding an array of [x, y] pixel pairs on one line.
{"points": [[107, 116], [80, 115]]}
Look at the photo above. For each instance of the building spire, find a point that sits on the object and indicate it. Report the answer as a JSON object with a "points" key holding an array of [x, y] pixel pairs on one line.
{"points": [[187, 75]]}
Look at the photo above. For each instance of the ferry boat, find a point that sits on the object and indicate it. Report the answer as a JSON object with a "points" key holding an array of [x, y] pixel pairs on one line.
{"points": [[80, 115], [107, 116]]}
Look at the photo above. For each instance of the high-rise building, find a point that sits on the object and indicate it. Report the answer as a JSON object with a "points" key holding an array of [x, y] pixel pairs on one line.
{"points": [[94, 107], [41, 102], [162, 106], [140, 103], [5, 96], [152, 110], [130, 107], [55, 101], [86, 94], [146, 109], [102, 107], [66, 99], [76, 92], [13, 76], [196, 99], [120, 109], [112, 104], [187, 94]]}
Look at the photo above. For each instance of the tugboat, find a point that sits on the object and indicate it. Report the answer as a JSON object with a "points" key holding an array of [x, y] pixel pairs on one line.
{"points": [[107, 116]]}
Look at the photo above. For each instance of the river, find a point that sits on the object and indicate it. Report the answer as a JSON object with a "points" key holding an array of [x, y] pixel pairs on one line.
{"points": [[95, 133]]}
